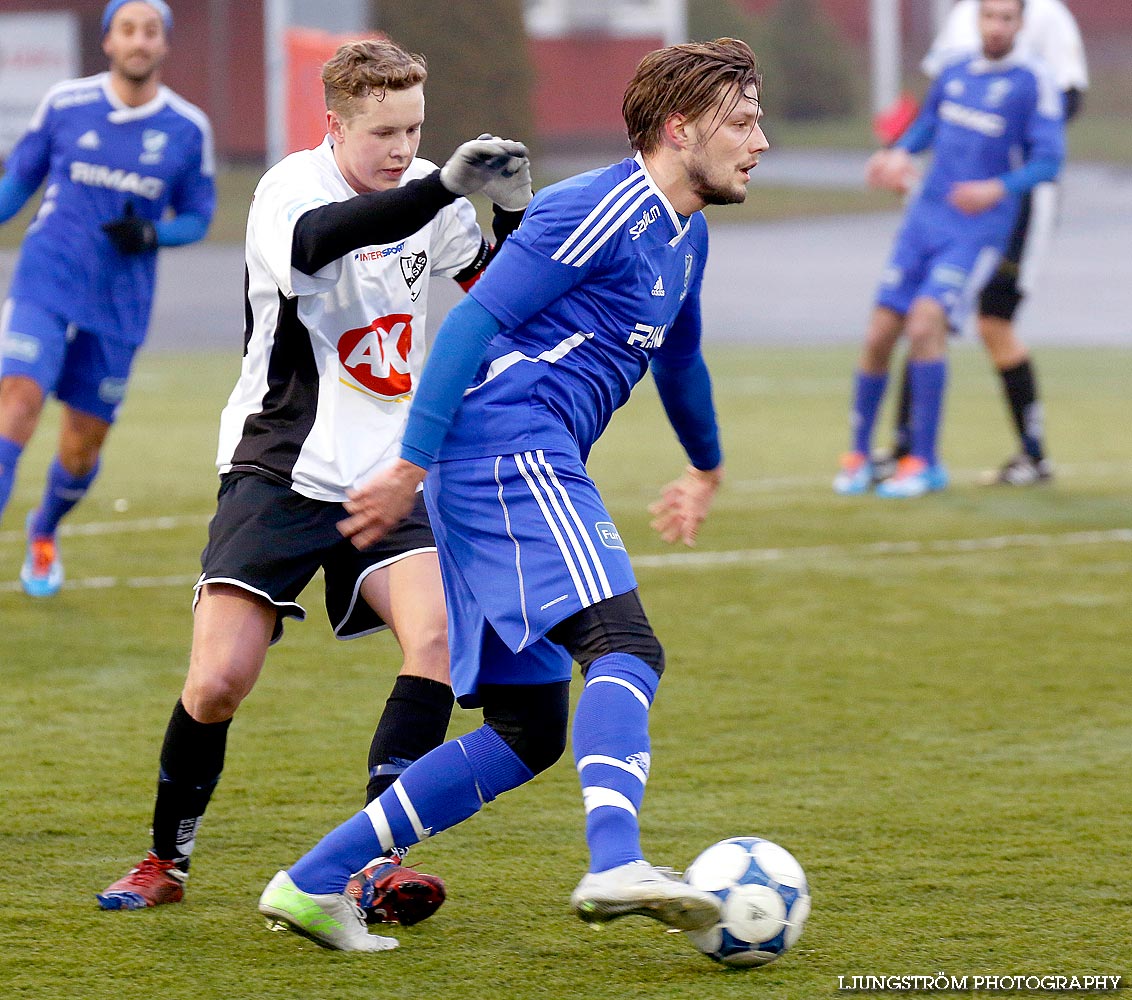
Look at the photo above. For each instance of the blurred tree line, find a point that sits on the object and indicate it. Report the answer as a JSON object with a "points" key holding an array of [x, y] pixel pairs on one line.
{"points": [[479, 73], [480, 76]]}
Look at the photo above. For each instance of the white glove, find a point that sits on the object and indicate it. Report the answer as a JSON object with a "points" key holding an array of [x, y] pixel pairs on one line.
{"points": [[476, 162], [510, 189]]}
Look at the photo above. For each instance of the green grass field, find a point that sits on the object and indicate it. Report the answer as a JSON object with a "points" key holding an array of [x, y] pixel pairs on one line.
{"points": [[926, 701]]}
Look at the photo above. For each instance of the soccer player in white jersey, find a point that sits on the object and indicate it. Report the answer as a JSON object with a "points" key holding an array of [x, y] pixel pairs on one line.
{"points": [[119, 152], [994, 123], [601, 282], [342, 242], [1050, 34]]}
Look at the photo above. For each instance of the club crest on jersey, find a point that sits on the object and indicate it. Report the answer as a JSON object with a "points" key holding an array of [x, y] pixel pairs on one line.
{"points": [[412, 268], [689, 260], [154, 142], [376, 357], [997, 91]]}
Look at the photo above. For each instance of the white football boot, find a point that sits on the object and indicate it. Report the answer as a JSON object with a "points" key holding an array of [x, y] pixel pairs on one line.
{"points": [[640, 888]]}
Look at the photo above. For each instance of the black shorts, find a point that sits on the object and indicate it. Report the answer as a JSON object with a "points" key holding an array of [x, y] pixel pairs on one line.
{"points": [[270, 540]]}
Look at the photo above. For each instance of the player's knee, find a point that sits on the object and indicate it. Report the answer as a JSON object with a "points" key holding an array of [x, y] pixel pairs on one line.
{"points": [[530, 719], [1000, 298], [426, 652], [616, 625]]}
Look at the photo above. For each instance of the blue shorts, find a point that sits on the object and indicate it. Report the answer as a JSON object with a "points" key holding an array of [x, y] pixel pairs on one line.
{"points": [[944, 255], [524, 542], [86, 371]]}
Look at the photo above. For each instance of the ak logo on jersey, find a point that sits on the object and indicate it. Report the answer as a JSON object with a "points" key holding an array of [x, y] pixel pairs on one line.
{"points": [[127, 181], [376, 357], [412, 268]]}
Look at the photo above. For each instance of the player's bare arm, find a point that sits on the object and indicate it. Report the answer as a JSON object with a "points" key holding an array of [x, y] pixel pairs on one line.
{"points": [[684, 504]]}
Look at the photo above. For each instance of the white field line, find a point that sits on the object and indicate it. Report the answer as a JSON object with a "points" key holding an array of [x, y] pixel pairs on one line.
{"points": [[139, 526], [735, 557], [917, 547]]}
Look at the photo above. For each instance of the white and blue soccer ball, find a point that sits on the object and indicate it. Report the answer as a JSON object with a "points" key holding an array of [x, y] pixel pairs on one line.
{"points": [[765, 898]]}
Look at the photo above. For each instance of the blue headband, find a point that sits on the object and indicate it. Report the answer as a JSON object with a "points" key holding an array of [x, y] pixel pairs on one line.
{"points": [[160, 6]]}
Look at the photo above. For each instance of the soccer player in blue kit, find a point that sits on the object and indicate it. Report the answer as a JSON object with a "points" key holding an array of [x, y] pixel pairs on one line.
{"points": [[118, 151], [994, 122], [600, 282]]}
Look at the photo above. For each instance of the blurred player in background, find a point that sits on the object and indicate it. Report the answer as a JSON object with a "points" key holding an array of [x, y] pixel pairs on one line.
{"points": [[342, 241], [129, 168], [601, 282], [994, 122], [1049, 33]]}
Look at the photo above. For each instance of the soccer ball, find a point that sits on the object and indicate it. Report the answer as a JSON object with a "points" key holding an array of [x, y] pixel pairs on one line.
{"points": [[765, 897]]}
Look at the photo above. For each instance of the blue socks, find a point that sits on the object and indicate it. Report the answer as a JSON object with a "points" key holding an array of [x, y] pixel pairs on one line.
{"points": [[60, 494], [443, 788], [927, 381], [9, 457], [611, 753], [867, 397]]}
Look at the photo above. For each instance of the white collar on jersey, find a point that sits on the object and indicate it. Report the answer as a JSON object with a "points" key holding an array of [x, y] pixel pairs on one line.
{"points": [[123, 112], [981, 64], [680, 224]]}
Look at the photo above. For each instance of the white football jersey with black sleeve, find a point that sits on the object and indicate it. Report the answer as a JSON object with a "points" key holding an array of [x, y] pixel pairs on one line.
{"points": [[331, 360]]}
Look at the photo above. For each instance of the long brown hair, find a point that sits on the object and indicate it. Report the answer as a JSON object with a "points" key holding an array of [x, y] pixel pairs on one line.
{"points": [[689, 80]]}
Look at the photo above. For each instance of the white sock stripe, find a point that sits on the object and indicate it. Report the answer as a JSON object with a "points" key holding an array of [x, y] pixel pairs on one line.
{"points": [[410, 810], [599, 568], [596, 758], [636, 691], [594, 797], [380, 824]]}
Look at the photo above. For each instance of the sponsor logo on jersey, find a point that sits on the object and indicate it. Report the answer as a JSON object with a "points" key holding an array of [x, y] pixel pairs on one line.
{"points": [[658, 288], [609, 536], [984, 122], [377, 356], [638, 228], [88, 140], [646, 337], [154, 142], [381, 252], [412, 268], [127, 181]]}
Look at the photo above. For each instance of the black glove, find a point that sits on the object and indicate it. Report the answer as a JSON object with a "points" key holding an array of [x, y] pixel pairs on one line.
{"points": [[131, 234]]}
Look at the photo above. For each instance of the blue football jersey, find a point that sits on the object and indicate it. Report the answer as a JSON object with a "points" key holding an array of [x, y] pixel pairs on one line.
{"points": [[985, 118], [97, 156], [602, 274]]}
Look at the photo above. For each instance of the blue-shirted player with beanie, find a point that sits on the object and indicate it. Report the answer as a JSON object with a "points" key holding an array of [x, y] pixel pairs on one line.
{"points": [[128, 166], [600, 283], [995, 124]]}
